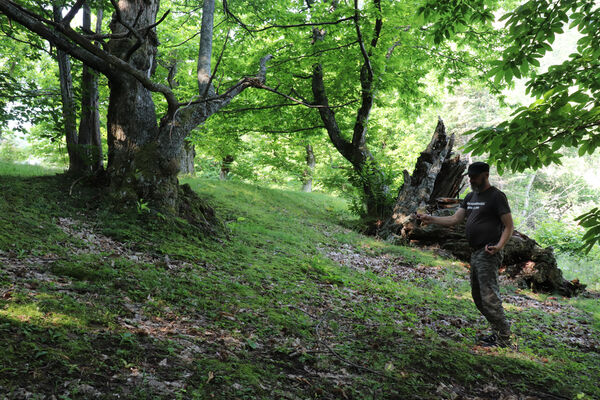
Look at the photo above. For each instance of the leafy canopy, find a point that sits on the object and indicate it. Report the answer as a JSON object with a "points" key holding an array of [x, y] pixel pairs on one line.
{"points": [[566, 112]]}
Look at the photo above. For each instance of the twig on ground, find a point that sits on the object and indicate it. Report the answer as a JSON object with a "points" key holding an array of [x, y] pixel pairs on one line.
{"points": [[74, 183]]}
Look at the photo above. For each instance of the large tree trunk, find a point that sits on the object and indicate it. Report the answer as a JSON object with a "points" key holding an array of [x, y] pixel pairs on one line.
{"points": [[434, 187], [89, 141], [307, 177], [145, 157], [136, 165]]}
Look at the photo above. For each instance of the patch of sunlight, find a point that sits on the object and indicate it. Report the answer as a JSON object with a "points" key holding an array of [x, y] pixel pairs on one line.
{"points": [[31, 313], [516, 355], [463, 296], [512, 307]]}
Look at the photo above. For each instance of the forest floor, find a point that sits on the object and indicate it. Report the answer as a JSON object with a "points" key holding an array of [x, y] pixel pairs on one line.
{"points": [[289, 303]]}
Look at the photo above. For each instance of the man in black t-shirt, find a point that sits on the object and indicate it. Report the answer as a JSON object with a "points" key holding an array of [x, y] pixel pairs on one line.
{"points": [[488, 227]]}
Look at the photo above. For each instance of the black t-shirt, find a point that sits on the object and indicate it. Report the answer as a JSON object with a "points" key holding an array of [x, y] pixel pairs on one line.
{"points": [[484, 210]]}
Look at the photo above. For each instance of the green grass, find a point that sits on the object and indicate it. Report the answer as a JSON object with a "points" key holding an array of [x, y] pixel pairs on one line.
{"points": [[24, 170], [154, 309]]}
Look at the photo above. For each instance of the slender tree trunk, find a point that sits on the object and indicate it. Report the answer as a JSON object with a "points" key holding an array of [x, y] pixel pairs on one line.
{"points": [[205, 52], [368, 176], [186, 163], [69, 109], [308, 171], [89, 141], [527, 199], [225, 167]]}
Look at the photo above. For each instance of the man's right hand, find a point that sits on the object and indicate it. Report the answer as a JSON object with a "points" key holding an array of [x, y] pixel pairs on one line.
{"points": [[425, 218]]}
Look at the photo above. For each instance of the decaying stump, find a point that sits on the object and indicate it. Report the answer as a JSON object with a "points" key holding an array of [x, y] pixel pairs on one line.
{"points": [[434, 187]]}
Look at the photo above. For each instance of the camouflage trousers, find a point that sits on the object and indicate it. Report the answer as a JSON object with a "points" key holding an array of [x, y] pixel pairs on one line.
{"points": [[485, 291]]}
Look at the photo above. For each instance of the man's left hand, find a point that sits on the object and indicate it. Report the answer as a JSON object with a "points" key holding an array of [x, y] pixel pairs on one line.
{"points": [[492, 249]]}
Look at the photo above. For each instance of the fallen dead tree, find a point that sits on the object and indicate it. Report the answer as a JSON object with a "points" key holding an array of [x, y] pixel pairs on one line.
{"points": [[434, 187]]}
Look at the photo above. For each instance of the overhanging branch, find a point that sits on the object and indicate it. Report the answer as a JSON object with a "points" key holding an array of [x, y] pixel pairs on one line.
{"points": [[82, 49], [72, 12]]}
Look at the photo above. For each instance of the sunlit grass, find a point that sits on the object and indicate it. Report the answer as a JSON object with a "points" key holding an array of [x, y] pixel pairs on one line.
{"points": [[31, 313], [25, 170]]}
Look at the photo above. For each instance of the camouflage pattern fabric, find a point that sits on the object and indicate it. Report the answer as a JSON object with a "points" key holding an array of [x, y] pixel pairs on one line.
{"points": [[485, 291]]}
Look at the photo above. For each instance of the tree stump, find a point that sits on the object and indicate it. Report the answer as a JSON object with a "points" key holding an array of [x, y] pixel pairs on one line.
{"points": [[434, 187]]}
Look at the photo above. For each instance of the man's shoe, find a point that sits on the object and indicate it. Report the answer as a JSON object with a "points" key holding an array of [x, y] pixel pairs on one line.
{"points": [[498, 342], [491, 338], [494, 340]]}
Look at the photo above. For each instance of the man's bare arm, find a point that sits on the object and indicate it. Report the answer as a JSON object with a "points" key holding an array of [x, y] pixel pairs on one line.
{"points": [[509, 227], [451, 220]]}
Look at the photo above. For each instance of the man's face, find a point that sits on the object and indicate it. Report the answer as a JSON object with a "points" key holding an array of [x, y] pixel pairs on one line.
{"points": [[478, 181]]}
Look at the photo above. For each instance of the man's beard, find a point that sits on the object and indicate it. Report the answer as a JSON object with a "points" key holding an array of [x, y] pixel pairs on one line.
{"points": [[476, 188]]}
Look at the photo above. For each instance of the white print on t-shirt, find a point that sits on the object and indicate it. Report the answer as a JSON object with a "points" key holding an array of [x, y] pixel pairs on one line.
{"points": [[475, 205]]}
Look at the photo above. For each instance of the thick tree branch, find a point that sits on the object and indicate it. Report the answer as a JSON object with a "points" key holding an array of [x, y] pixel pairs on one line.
{"points": [[303, 24], [27, 19], [366, 79], [72, 12], [83, 49], [327, 115], [196, 111]]}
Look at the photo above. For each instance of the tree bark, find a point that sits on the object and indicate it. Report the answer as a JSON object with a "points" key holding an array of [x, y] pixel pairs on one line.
{"points": [[205, 51], [69, 109], [437, 174], [89, 141], [308, 171], [434, 187], [132, 128], [186, 163]]}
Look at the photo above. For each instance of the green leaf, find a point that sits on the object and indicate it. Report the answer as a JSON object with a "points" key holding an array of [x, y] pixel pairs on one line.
{"points": [[579, 97]]}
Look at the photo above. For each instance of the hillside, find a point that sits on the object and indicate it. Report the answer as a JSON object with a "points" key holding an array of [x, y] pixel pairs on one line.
{"points": [[289, 303]]}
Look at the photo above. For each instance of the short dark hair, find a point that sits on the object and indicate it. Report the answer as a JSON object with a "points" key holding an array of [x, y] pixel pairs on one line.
{"points": [[477, 168]]}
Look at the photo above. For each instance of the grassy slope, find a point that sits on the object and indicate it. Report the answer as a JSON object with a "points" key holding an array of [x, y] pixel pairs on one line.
{"points": [[93, 305]]}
